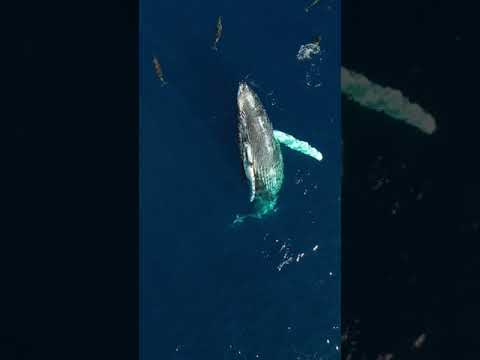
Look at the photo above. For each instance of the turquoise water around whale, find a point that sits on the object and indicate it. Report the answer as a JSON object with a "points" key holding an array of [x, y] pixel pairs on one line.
{"points": [[264, 289]]}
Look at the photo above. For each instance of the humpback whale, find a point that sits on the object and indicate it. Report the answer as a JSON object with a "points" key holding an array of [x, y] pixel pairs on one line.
{"points": [[260, 151], [261, 154]]}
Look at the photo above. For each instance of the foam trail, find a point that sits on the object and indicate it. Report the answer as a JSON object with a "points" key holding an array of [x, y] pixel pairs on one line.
{"points": [[297, 145], [390, 101]]}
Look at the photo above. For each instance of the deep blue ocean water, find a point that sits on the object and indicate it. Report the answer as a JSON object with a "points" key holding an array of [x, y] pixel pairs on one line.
{"points": [[209, 290]]}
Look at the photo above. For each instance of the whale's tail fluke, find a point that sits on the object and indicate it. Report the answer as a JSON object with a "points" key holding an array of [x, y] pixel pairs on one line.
{"points": [[262, 209]]}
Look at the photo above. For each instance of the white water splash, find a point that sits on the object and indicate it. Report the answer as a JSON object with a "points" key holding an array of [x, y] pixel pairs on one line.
{"points": [[307, 51]]}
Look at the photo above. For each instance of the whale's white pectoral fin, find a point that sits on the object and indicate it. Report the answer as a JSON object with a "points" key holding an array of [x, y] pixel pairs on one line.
{"points": [[251, 178], [248, 166], [248, 150], [360, 89], [297, 145]]}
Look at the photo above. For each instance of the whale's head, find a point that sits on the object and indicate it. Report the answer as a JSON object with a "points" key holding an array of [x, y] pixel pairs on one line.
{"points": [[260, 152], [247, 100]]}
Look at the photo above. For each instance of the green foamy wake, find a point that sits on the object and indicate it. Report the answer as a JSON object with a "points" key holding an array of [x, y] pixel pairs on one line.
{"points": [[262, 208], [297, 145], [265, 207], [390, 101]]}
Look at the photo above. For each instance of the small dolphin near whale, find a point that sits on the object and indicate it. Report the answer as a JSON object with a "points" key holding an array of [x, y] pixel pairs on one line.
{"points": [[158, 70], [218, 33]]}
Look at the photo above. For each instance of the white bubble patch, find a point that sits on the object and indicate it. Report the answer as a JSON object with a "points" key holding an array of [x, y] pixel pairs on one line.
{"points": [[307, 51]]}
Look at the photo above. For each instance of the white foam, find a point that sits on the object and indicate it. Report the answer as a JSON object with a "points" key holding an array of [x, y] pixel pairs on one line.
{"points": [[307, 51]]}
